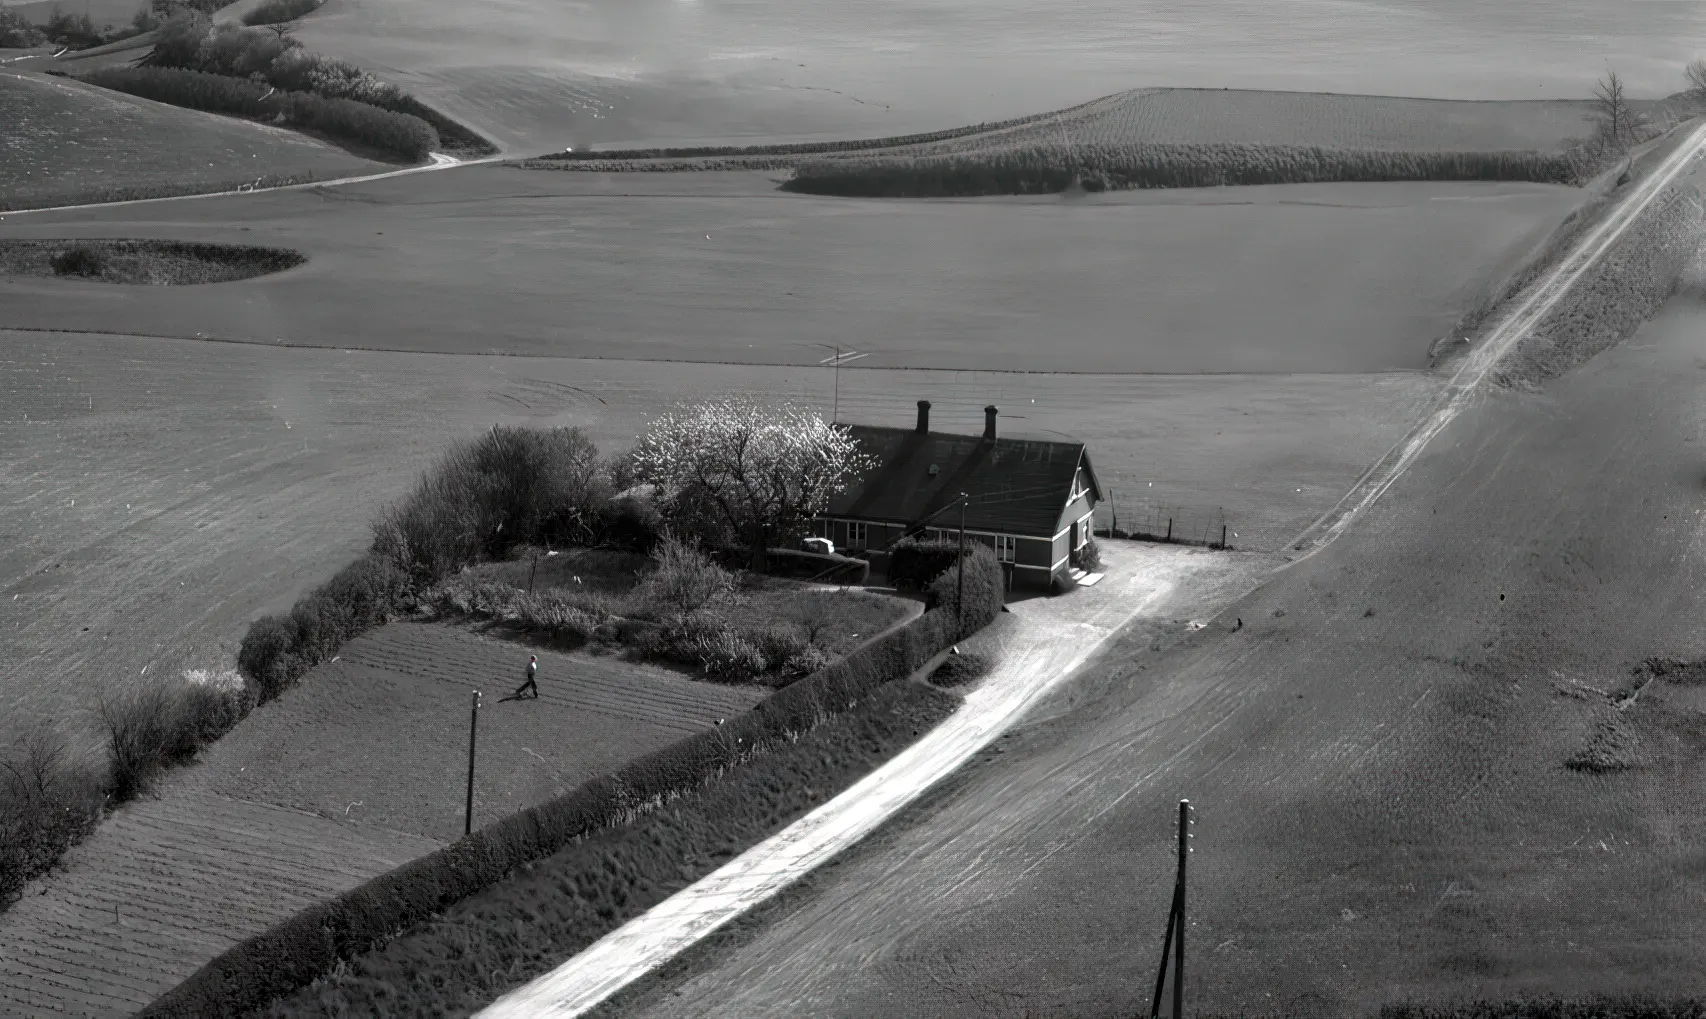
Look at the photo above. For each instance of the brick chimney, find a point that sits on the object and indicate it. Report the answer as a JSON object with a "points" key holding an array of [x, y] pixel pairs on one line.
{"points": [[923, 416], [989, 413]]}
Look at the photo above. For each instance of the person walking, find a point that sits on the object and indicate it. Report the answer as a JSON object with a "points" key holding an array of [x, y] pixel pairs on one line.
{"points": [[532, 675]]}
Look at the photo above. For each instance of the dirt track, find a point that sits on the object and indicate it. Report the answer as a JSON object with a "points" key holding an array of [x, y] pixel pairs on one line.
{"points": [[1377, 758]]}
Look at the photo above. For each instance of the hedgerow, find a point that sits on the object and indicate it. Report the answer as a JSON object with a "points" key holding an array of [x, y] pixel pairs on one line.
{"points": [[345, 120], [191, 42], [916, 563], [1041, 169], [314, 941], [277, 12]]}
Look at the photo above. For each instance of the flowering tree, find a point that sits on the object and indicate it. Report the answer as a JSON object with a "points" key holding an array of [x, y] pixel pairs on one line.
{"points": [[764, 470]]}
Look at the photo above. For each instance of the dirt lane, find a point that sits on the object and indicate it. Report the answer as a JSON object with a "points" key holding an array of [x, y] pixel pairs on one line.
{"points": [[1377, 758]]}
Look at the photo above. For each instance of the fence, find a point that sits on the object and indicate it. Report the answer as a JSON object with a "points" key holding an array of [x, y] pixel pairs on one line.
{"points": [[1178, 525]]}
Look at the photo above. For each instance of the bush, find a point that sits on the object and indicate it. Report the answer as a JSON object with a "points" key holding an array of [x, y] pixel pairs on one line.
{"points": [[684, 578], [79, 260], [75, 31], [149, 727], [311, 943], [510, 487], [341, 119], [278, 650], [191, 42], [1090, 556], [276, 12], [962, 668], [914, 564], [48, 803], [16, 32], [985, 587]]}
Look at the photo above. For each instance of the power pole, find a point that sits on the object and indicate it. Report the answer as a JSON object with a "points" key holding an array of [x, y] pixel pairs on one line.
{"points": [[835, 416], [473, 728], [960, 577], [1174, 943]]}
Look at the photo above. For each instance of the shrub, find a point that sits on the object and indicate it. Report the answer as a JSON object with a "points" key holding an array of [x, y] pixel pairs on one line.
{"points": [[48, 803], [629, 522], [914, 563], [157, 724], [75, 31], [278, 650], [16, 32], [310, 943], [510, 487], [79, 260], [684, 578], [777, 645], [805, 661], [725, 654], [1090, 556], [341, 119], [276, 12], [985, 587], [962, 668]]}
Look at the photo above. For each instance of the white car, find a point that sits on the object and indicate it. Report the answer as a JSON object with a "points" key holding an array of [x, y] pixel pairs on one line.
{"points": [[822, 546]]}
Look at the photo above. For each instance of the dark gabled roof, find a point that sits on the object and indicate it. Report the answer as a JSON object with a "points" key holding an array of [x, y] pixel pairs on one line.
{"points": [[1017, 486]]}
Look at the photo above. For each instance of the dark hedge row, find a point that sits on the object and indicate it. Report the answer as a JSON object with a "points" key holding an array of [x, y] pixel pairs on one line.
{"points": [[346, 120], [277, 12], [1043, 170], [916, 563], [314, 941]]}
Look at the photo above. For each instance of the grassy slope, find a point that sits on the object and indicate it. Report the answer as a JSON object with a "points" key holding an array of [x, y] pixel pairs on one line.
{"points": [[75, 143], [526, 924]]}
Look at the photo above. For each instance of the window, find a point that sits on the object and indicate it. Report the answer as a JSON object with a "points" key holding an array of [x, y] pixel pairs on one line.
{"points": [[856, 536], [1006, 548], [1079, 488]]}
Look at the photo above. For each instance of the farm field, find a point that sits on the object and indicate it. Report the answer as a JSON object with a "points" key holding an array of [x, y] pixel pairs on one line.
{"points": [[161, 493], [540, 77], [359, 768], [721, 267], [1379, 759], [71, 143], [101, 12]]}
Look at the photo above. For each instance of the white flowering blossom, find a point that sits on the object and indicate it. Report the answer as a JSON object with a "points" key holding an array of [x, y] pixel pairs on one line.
{"points": [[766, 469]]}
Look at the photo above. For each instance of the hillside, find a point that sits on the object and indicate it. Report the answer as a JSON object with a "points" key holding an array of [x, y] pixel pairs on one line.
{"points": [[72, 143]]}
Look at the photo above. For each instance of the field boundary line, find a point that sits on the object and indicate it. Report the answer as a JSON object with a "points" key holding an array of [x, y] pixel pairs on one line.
{"points": [[440, 161], [1513, 326], [1046, 652]]}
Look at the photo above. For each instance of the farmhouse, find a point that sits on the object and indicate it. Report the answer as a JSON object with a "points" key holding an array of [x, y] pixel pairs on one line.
{"points": [[1029, 500]]}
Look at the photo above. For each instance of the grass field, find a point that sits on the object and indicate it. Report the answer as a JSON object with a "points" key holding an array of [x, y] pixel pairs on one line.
{"points": [[540, 78], [68, 142], [721, 267]]}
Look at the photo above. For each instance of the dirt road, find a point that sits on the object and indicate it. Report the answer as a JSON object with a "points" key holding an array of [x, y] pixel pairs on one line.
{"points": [[1377, 757]]}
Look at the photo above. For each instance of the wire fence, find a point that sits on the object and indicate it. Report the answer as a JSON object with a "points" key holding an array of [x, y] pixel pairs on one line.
{"points": [[1179, 525]]}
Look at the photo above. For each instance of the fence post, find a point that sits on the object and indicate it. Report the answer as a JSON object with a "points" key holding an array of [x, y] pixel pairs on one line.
{"points": [[1179, 945], [1169, 528], [1223, 536], [473, 728]]}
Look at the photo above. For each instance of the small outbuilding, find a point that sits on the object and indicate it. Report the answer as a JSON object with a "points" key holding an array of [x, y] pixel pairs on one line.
{"points": [[1031, 500]]}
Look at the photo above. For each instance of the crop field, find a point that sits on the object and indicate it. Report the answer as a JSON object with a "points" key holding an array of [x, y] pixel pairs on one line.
{"points": [[386, 728], [101, 12], [67, 142], [359, 768], [540, 77], [721, 267]]}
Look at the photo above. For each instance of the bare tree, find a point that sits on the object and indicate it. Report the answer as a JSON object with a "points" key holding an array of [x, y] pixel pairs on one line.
{"points": [[1695, 72], [1619, 122]]}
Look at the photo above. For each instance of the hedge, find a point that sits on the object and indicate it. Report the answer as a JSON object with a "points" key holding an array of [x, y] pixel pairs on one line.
{"points": [[293, 953], [345, 119], [916, 562], [278, 650]]}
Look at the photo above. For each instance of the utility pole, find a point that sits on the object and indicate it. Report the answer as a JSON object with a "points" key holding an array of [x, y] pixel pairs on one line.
{"points": [[473, 728], [960, 576], [835, 415], [1174, 943]]}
